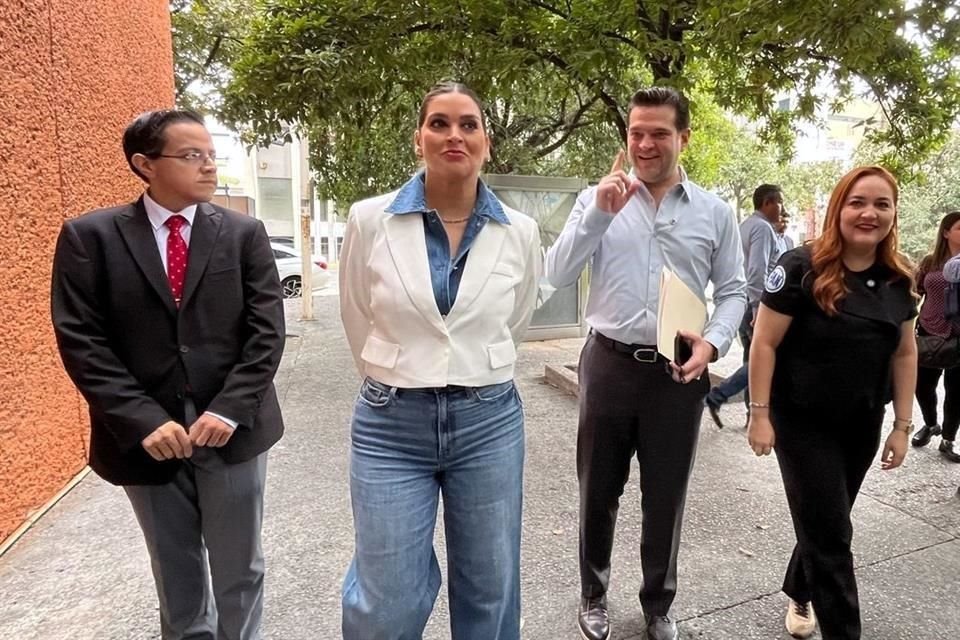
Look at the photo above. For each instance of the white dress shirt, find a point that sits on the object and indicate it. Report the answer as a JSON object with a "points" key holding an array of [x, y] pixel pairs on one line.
{"points": [[158, 216]]}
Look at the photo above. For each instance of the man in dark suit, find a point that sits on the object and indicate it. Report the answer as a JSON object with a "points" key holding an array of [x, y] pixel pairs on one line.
{"points": [[169, 318]]}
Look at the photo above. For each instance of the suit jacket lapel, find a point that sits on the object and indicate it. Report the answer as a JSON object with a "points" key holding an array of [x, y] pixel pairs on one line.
{"points": [[203, 236], [484, 255], [137, 233], [408, 248]]}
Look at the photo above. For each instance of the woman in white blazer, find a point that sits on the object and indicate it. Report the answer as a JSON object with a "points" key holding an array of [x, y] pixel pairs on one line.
{"points": [[438, 281]]}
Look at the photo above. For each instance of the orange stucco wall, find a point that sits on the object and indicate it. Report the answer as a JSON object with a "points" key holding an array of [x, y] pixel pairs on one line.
{"points": [[72, 74]]}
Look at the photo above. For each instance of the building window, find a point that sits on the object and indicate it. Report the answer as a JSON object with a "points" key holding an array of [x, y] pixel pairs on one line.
{"points": [[276, 199]]}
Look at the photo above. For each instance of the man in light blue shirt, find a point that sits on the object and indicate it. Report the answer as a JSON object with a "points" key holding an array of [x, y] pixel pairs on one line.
{"points": [[786, 242], [632, 400], [762, 246]]}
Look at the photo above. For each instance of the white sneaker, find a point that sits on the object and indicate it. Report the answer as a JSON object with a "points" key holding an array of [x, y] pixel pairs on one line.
{"points": [[801, 621]]}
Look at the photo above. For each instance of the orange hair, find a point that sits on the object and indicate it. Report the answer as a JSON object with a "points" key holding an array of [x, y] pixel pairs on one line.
{"points": [[827, 250]]}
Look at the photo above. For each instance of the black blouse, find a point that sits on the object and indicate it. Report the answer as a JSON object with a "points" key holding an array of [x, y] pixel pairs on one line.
{"points": [[840, 363]]}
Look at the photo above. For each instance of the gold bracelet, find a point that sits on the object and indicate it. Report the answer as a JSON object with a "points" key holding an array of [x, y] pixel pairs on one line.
{"points": [[758, 405]]}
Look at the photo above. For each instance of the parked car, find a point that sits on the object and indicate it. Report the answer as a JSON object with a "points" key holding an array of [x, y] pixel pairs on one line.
{"points": [[286, 241], [289, 266]]}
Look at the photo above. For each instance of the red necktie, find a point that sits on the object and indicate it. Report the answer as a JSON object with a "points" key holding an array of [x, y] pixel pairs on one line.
{"points": [[176, 256]]}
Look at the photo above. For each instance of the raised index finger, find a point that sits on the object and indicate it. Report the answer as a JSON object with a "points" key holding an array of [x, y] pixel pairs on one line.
{"points": [[617, 162]]}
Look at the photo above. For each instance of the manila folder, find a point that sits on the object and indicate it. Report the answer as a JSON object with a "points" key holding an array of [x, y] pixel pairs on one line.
{"points": [[679, 309]]}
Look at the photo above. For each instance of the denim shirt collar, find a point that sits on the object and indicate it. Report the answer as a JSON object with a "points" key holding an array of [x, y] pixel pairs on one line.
{"points": [[412, 198]]}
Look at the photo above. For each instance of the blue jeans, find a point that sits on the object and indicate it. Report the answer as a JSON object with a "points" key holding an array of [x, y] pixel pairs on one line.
{"points": [[409, 446]]}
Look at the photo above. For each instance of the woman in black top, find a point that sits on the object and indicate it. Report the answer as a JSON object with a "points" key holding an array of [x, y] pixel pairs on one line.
{"points": [[833, 344]]}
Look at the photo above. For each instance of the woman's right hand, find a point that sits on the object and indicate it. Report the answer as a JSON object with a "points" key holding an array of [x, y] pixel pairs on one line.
{"points": [[760, 434]]}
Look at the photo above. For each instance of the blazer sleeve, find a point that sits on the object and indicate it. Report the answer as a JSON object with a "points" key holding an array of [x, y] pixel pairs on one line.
{"points": [[252, 374], [526, 299], [354, 288], [129, 414]]}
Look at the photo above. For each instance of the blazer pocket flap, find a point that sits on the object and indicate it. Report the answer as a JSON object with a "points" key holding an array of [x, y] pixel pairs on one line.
{"points": [[220, 271], [502, 354], [502, 269], [380, 352]]}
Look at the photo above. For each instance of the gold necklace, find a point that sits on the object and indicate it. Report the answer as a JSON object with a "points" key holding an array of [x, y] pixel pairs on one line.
{"points": [[458, 221]]}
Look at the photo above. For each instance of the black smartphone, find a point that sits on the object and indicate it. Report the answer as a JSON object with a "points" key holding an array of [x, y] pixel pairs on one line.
{"points": [[682, 351]]}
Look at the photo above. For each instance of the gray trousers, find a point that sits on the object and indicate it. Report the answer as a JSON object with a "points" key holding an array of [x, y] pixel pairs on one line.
{"points": [[203, 535]]}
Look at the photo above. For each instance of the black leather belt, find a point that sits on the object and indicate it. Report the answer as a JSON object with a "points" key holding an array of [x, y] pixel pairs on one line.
{"points": [[641, 352]]}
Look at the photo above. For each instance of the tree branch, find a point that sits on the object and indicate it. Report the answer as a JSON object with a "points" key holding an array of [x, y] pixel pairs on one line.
{"points": [[545, 151], [211, 56], [644, 17]]}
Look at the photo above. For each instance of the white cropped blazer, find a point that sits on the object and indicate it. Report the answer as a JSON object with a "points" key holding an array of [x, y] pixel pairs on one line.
{"points": [[390, 316]]}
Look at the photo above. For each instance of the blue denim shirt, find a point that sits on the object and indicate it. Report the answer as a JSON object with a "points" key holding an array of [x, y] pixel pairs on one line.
{"points": [[446, 270]]}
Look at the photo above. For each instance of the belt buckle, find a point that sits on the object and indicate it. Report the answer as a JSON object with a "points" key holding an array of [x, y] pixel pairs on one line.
{"points": [[645, 355]]}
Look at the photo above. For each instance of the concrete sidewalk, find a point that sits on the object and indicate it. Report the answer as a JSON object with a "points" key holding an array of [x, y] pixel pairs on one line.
{"points": [[82, 571]]}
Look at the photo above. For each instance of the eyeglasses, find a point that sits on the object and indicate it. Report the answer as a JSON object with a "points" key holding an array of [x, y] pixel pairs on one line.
{"points": [[197, 158]]}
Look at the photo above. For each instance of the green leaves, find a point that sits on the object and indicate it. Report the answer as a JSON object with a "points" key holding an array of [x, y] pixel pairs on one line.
{"points": [[557, 74], [206, 39]]}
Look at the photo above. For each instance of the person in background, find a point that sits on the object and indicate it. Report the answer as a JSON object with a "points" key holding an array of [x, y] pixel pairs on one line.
{"points": [[786, 242], [761, 247], [833, 344], [438, 282], [931, 284]]}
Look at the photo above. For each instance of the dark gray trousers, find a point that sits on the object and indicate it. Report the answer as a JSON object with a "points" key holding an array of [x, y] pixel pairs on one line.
{"points": [[632, 408], [203, 535]]}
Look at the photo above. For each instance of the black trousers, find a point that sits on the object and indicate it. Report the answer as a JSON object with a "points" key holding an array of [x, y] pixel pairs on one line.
{"points": [[626, 408], [823, 460], [927, 380]]}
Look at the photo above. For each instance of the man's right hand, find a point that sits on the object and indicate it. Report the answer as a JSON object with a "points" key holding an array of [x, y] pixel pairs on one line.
{"points": [[168, 441], [616, 188]]}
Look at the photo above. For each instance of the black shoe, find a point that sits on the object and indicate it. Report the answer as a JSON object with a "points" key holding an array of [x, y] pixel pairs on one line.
{"points": [[922, 437], [714, 409], [592, 619], [661, 628], [949, 451]]}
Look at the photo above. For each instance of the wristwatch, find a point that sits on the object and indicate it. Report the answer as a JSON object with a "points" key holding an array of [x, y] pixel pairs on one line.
{"points": [[906, 428]]}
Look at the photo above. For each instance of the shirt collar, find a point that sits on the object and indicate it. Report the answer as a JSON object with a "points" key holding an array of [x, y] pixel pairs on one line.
{"points": [[684, 184], [764, 218], [412, 198], [158, 215]]}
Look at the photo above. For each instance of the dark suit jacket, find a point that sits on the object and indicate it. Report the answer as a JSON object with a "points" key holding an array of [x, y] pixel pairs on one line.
{"points": [[135, 357]]}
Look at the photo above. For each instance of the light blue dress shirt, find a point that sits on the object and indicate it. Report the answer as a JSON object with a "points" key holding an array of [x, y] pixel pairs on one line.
{"points": [[446, 272], [761, 250], [693, 233], [951, 270]]}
